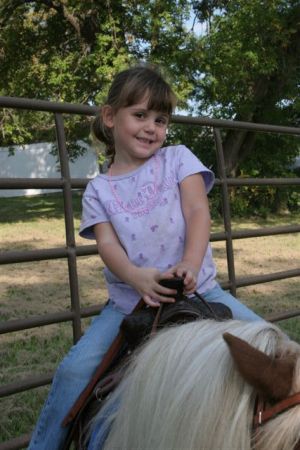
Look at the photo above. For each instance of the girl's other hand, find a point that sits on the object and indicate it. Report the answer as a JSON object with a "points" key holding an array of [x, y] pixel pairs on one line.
{"points": [[185, 271], [146, 282]]}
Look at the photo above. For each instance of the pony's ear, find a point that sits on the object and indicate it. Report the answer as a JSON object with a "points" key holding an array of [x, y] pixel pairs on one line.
{"points": [[271, 377]]}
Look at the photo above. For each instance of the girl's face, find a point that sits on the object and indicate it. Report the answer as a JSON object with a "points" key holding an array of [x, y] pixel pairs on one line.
{"points": [[138, 132]]}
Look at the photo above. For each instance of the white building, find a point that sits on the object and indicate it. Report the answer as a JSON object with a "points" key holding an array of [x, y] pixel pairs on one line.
{"points": [[35, 161]]}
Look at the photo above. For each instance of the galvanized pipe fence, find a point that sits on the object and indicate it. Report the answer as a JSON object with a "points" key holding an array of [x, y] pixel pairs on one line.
{"points": [[71, 252]]}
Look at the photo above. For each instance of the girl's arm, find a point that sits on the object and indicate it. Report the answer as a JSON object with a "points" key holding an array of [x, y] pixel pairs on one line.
{"points": [[144, 280], [195, 209]]}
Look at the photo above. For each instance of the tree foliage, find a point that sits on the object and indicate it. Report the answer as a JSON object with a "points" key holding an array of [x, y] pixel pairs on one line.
{"points": [[244, 65], [69, 51], [251, 69]]}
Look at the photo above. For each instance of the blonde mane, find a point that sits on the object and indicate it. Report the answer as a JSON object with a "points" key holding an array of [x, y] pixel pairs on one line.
{"points": [[183, 392]]}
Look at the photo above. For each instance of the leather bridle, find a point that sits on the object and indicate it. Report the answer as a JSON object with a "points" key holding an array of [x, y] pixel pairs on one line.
{"points": [[263, 412]]}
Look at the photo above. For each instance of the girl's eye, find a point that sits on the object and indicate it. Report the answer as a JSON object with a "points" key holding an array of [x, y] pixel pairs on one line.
{"points": [[140, 115], [162, 121]]}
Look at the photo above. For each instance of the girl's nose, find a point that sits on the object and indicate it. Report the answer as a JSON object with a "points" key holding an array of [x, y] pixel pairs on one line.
{"points": [[150, 126]]}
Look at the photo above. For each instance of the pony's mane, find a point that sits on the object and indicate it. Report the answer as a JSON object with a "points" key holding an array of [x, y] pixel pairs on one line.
{"points": [[182, 391]]}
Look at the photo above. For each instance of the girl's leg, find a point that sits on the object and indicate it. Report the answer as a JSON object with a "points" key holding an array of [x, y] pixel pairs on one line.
{"points": [[72, 376], [239, 311]]}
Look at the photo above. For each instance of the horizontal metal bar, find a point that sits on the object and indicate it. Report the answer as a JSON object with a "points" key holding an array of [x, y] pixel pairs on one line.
{"points": [[36, 321], [40, 183], [221, 123], [260, 279], [91, 310], [17, 183], [43, 105], [85, 250], [260, 232], [47, 319], [258, 181], [80, 183], [69, 108], [25, 384], [283, 315], [20, 256]]}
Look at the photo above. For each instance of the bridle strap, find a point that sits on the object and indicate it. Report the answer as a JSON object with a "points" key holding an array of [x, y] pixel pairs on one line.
{"points": [[262, 415]]}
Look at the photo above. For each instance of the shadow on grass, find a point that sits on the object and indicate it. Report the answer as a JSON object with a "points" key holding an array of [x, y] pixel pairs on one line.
{"points": [[32, 208]]}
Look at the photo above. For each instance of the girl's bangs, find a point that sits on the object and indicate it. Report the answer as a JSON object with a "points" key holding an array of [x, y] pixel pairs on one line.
{"points": [[160, 97], [162, 100]]}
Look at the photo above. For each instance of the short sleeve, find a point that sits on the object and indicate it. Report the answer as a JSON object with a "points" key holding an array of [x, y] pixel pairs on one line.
{"points": [[189, 164], [93, 212]]}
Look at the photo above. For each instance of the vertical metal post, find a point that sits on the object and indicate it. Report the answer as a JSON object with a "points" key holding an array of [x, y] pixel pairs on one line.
{"points": [[69, 225], [226, 210]]}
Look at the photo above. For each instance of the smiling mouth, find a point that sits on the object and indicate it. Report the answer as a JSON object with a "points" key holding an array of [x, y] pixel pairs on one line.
{"points": [[144, 140]]}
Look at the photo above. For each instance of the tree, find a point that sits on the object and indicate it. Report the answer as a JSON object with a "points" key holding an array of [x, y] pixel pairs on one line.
{"points": [[69, 51], [251, 71]]}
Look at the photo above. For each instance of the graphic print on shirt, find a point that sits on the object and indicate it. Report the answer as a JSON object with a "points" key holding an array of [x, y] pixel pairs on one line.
{"points": [[143, 200]]}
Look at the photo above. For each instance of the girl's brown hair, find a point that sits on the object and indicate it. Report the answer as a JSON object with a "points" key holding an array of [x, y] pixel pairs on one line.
{"points": [[128, 88]]}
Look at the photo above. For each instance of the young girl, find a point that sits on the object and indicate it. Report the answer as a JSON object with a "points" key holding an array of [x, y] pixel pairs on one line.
{"points": [[149, 215]]}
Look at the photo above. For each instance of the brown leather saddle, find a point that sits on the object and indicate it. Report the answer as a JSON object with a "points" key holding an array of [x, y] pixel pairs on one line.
{"points": [[143, 322]]}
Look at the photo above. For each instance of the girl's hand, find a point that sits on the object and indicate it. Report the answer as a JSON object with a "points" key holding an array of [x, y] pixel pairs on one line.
{"points": [[146, 282], [187, 272]]}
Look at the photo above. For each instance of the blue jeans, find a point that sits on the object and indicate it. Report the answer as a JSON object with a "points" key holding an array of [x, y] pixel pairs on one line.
{"points": [[72, 376], [239, 311]]}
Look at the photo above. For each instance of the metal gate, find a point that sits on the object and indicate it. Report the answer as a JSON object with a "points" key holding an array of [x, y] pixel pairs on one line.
{"points": [[71, 252]]}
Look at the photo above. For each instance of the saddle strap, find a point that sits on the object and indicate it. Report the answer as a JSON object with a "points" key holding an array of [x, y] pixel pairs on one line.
{"points": [[104, 365]]}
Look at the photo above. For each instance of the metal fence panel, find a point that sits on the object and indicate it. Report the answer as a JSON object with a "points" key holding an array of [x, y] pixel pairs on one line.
{"points": [[71, 253]]}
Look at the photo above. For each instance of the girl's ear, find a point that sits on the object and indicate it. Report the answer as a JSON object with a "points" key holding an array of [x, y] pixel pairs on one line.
{"points": [[107, 114]]}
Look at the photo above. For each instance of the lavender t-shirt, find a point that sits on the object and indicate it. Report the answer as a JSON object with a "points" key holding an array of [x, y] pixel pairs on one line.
{"points": [[144, 208]]}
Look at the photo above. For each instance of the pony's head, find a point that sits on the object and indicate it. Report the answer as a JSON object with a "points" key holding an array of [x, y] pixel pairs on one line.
{"points": [[194, 386], [277, 383]]}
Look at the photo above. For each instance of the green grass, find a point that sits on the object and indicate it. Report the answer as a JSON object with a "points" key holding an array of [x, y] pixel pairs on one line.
{"points": [[22, 355], [20, 411], [33, 288], [25, 353]]}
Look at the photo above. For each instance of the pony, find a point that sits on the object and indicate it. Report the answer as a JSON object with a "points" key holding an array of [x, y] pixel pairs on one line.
{"points": [[195, 386]]}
